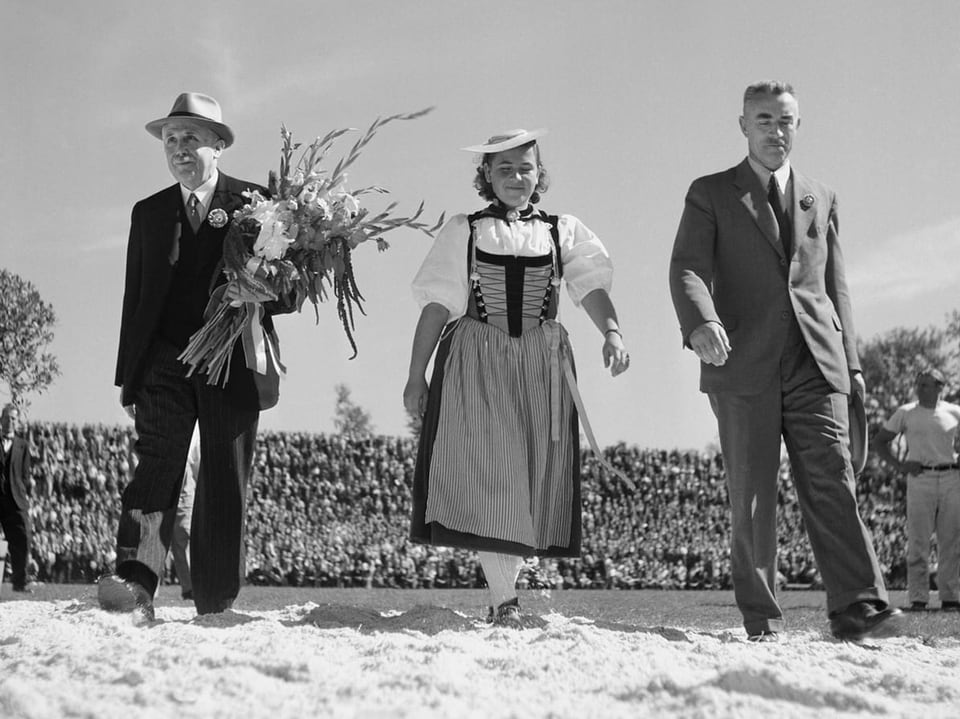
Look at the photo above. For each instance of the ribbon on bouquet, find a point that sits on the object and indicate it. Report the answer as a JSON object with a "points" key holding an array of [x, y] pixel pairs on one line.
{"points": [[260, 348]]}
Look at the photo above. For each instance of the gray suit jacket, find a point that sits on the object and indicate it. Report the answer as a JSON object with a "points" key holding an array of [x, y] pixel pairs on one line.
{"points": [[728, 266]]}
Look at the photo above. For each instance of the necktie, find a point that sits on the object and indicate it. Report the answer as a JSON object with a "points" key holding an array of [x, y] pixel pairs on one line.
{"points": [[786, 232], [193, 212]]}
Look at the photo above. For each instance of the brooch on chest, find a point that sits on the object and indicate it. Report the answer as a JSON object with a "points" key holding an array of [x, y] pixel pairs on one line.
{"points": [[217, 217]]}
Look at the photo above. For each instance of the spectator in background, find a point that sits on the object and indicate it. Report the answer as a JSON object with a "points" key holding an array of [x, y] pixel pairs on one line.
{"points": [[929, 426], [332, 504], [16, 485]]}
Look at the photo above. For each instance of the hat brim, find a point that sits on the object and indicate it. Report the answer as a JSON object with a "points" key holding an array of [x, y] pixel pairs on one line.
{"points": [[516, 141], [155, 128], [858, 432]]}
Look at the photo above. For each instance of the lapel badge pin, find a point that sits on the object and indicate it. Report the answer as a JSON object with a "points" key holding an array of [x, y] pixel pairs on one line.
{"points": [[806, 202], [218, 217]]}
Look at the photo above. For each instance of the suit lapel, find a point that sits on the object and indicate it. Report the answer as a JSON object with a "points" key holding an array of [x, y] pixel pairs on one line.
{"points": [[754, 199], [162, 239], [804, 208]]}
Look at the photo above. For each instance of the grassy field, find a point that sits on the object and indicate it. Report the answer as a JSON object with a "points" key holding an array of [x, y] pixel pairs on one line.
{"points": [[697, 610]]}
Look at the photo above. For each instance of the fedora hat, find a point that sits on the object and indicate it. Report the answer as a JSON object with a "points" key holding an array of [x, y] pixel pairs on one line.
{"points": [[858, 432], [507, 141], [197, 107]]}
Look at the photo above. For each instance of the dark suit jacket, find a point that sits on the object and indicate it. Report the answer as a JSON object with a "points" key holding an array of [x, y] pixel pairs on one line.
{"points": [[20, 479], [728, 266], [152, 250]]}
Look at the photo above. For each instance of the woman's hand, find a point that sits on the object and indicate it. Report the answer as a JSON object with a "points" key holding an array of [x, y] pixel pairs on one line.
{"points": [[415, 396], [615, 355]]}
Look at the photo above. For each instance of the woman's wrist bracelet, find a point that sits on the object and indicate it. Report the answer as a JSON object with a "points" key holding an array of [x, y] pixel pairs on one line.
{"points": [[613, 330]]}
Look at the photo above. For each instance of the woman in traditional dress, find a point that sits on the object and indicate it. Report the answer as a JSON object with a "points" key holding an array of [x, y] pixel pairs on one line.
{"points": [[498, 467]]}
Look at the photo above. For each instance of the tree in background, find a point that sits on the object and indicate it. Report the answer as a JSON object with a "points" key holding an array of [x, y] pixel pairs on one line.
{"points": [[891, 361], [349, 419], [26, 328]]}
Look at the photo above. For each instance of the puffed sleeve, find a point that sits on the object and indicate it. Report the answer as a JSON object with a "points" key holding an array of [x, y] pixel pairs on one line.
{"points": [[442, 278], [586, 264]]}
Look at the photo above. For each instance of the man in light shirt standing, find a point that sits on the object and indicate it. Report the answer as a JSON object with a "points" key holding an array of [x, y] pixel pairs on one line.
{"points": [[930, 427]]}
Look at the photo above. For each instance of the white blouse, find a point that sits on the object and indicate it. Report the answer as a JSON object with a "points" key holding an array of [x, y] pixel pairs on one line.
{"points": [[443, 277]]}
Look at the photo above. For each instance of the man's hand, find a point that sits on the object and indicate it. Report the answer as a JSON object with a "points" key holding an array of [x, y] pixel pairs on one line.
{"points": [[237, 295], [857, 384], [130, 409], [710, 343], [911, 468]]}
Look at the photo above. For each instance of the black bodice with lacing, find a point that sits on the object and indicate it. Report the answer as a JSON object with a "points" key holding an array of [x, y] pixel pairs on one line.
{"points": [[514, 293]]}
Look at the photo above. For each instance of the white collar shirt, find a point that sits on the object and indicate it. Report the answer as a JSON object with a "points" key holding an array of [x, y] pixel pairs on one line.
{"points": [[204, 193], [782, 174]]}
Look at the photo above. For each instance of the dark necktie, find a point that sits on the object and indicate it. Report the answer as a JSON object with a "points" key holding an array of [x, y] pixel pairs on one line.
{"points": [[193, 212], [786, 232]]}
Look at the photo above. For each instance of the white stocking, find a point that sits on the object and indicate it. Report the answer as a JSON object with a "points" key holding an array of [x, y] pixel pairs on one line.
{"points": [[501, 571]]}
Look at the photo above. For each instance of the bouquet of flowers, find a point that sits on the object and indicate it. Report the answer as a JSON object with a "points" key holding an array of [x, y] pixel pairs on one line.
{"points": [[293, 246]]}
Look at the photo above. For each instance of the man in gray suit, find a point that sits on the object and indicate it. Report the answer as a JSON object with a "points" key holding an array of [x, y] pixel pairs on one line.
{"points": [[758, 284]]}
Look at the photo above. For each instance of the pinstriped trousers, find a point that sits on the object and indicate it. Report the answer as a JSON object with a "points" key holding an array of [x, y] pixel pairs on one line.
{"points": [[168, 404]]}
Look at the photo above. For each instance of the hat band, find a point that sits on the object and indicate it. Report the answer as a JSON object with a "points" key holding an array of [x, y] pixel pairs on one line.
{"points": [[193, 114]]}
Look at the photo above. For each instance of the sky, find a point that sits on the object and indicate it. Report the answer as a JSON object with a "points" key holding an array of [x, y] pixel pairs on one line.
{"points": [[640, 97]]}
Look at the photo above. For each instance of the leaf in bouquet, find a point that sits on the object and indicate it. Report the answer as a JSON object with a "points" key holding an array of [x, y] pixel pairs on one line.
{"points": [[371, 188], [210, 348], [311, 158], [358, 146], [348, 296]]}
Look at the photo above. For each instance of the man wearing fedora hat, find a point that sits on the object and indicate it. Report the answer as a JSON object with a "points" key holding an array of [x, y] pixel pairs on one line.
{"points": [[758, 284], [174, 258]]}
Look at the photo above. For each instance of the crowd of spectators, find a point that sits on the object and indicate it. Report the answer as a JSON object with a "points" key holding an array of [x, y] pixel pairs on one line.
{"points": [[325, 510]]}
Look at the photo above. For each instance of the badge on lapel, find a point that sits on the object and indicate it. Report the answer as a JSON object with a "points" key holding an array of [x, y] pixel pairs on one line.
{"points": [[806, 202], [218, 217]]}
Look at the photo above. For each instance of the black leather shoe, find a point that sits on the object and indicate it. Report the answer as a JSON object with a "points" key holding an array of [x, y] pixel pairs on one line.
{"points": [[187, 596], [124, 595], [864, 619]]}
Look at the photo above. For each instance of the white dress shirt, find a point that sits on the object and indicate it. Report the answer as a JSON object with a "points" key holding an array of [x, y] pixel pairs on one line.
{"points": [[204, 194]]}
